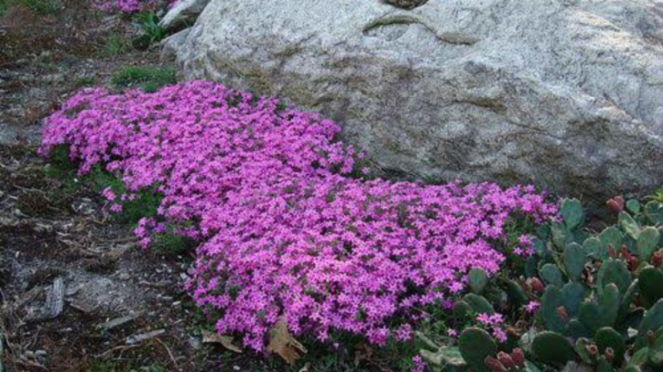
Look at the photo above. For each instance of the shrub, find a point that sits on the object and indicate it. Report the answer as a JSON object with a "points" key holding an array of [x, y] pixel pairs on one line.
{"points": [[284, 233], [590, 297]]}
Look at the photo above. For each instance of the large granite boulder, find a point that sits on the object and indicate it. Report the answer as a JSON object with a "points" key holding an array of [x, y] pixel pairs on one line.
{"points": [[563, 93]]}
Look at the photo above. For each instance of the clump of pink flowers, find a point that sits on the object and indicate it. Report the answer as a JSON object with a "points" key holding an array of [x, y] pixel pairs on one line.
{"points": [[493, 322], [132, 6], [283, 231]]}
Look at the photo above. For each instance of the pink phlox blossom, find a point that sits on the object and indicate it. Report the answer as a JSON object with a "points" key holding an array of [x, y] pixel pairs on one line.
{"points": [[282, 229], [532, 306]]}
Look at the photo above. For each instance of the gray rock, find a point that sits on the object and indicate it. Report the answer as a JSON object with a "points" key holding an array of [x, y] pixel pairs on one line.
{"points": [[563, 93], [182, 13]]}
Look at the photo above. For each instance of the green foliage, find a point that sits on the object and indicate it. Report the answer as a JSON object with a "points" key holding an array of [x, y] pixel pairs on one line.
{"points": [[572, 214], [550, 301], [574, 260], [152, 30], [650, 284], [115, 44], [477, 279], [613, 271], [148, 78], [607, 337], [479, 304], [475, 345], [654, 212], [600, 287], [657, 196], [648, 242], [629, 225], [39, 6], [551, 275], [171, 243], [553, 349], [144, 205], [85, 81]]}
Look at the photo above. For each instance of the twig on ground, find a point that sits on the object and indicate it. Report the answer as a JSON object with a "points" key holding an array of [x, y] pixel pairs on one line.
{"points": [[116, 348], [169, 353]]}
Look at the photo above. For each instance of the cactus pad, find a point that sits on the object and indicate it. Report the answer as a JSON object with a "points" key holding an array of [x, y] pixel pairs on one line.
{"points": [[475, 345], [553, 348], [574, 260], [607, 337]]}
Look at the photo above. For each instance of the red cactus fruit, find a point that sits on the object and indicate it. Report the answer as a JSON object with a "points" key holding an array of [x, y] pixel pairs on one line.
{"points": [[562, 314], [592, 350], [506, 360], [536, 284], [609, 354], [494, 364], [518, 357]]}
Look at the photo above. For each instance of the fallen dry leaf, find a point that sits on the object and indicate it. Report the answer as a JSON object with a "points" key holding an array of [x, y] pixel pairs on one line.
{"points": [[226, 341], [284, 344]]}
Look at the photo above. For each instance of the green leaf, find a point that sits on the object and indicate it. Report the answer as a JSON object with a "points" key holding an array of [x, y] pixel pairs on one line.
{"points": [[479, 304], [647, 242], [609, 301], [629, 225], [475, 345], [656, 351], [572, 214], [553, 348], [607, 337], [551, 275], [593, 247], [574, 260], [573, 294], [650, 283], [561, 235], [610, 236], [654, 212], [613, 271], [477, 280], [652, 321], [552, 299], [633, 206], [444, 356]]}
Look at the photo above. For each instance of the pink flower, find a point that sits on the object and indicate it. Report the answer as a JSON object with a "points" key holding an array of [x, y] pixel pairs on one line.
{"points": [[108, 194], [499, 334], [419, 364], [281, 229], [484, 319], [532, 306]]}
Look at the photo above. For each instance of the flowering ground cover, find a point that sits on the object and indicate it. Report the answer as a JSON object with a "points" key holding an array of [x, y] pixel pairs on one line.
{"points": [[132, 6], [288, 222]]}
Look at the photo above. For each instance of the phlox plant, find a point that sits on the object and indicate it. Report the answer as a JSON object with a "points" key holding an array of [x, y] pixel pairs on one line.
{"points": [[282, 230], [132, 6]]}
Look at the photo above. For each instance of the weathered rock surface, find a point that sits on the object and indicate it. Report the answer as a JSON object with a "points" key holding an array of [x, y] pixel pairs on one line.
{"points": [[565, 93], [182, 13]]}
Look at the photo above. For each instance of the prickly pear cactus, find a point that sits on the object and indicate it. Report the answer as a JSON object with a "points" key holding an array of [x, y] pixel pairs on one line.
{"points": [[553, 348], [475, 346]]}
